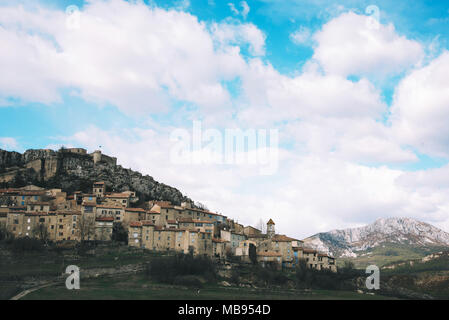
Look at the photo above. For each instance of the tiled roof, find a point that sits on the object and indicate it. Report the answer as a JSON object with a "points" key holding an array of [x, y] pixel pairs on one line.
{"points": [[322, 255], [135, 210], [202, 221], [219, 240], [269, 254], [308, 250], [106, 219], [29, 213], [60, 213], [38, 203], [135, 224], [172, 221], [89, 204], [282, 238], [270, 221], [118, 195], [111, 206]]}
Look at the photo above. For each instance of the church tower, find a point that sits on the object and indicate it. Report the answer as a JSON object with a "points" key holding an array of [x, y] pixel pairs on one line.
{"points": [[270, 228]]}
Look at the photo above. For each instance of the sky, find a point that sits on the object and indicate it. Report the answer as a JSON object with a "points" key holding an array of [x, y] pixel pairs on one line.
{"points": [[348, 101]]}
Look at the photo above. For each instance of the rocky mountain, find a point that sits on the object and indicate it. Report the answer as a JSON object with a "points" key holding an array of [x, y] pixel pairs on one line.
{"points": [[75, 169], [396, 232]]}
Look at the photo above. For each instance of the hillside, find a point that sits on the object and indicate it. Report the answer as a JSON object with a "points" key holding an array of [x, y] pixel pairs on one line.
{"points": [[382, 242], [75, 169]]}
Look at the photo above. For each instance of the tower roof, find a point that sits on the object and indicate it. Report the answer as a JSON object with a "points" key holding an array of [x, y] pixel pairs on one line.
{"points": [[270, 221]]}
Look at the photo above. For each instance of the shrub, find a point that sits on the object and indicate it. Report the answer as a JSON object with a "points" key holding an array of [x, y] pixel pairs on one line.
{"points": [[21, 245], [188, 281], [166, 269]]}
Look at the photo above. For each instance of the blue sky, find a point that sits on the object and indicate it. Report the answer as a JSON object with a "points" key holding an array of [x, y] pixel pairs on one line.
{"points": [[364, 107]]}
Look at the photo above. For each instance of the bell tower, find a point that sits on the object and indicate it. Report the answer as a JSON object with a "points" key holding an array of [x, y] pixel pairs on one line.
{"points": [[270, 228]]}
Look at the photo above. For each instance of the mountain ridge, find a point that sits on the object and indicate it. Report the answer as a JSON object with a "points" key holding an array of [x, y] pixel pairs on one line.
{"points": [[76, 170], [352, 242]]}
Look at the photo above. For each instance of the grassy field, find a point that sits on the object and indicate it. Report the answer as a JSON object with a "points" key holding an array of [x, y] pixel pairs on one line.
{"points": [[15, 269], [138, 287], [389, 253]]}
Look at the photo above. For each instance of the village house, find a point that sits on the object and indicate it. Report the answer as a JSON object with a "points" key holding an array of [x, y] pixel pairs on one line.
{"points": [[157, 225], [103, 228], [111, 210]]}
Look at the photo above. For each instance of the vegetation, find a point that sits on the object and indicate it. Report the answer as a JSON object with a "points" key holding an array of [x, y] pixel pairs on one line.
{"points": [[182, 269], [138, 287], [389, 253], [119, 233]]}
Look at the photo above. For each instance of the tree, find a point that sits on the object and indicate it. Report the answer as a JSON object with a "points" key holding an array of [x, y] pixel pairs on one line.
{"points": [[86, 225], [5, 234], [252, 253], [201, 206], [119, 233], [40, 231], [262, 226]]}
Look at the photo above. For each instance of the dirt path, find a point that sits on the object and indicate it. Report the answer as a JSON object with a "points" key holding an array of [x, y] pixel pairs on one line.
{"points": [[28, 291], [86, 274]]}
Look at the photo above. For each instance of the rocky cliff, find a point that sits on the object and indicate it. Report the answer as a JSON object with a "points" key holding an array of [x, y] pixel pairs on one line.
{"points": [[400, 231], [75, 171]]}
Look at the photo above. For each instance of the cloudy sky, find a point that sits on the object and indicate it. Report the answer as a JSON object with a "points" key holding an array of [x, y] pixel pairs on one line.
{"points": [[358, 92]]}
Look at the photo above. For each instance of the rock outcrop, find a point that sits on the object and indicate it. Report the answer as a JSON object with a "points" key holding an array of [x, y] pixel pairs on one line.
{"points": [[73, 171]]}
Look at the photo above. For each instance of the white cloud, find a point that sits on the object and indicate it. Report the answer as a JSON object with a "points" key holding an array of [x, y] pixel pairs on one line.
{"points": [[420, 111], [245, 9], [301, 36], [8, 143], [309, 194], [240, 34], [130, 55], [140, 58], [305, 96], [348, 45]]}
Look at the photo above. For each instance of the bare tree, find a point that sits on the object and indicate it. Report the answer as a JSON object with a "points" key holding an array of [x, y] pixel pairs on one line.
{"points": [[201, 206], [86, 225], [262, 226], [40, 231]]}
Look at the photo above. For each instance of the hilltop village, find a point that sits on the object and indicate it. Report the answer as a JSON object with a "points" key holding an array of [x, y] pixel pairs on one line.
{"points": [[54, 215]]}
